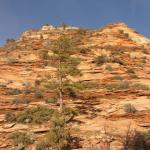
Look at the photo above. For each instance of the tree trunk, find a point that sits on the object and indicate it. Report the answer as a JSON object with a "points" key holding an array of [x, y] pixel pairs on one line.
{"points": [[60, 88]]}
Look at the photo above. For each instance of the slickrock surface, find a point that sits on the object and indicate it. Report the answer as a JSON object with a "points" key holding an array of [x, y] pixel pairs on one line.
{"points": [[21, 63]]}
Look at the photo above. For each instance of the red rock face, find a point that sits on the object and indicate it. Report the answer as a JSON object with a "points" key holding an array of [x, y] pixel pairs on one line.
{"points": [[113, 87]]}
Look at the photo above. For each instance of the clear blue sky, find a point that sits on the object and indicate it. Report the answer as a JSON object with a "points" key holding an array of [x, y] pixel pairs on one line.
{"points": [[17, 16]]}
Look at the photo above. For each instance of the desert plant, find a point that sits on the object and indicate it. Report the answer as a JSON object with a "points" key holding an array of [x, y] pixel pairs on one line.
{"points": [[21, 139], [14, 92], [109, 68], [38, 115], [66, 65], [42, 145], [21, 101], [52, 100], [117, 77], [100, 60], [117, 86], [130, 71], [10, 117], [128, 108], [139, 86], [59, 135], [38, 94], [135, 140]]}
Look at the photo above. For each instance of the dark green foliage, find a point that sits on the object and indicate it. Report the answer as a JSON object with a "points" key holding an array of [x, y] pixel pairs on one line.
{"points": [[128, 108], [21, 138], [72, 92]]}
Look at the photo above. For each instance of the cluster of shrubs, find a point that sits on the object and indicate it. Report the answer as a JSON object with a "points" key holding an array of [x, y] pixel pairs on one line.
{"points": [[21, 101], [38, 114], [117, 86], [14, 92], [59, 135], [100, 60], [138, 86], [86, 85], [21, 140], [135, 140]]}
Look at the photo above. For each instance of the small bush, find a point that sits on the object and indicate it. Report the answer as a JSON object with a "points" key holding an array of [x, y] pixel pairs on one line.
{"points": [[59, 135], [52, 100], [85, 85], [128, 108], [117, 77], [38, 94], [14, 92], [118, 61], [72, 92], [130, 71], [38, 115], [100, 60], [84, 51], [42, 146], [135, 140], [139, 86], [19, 101], [10, 117], [21, 138], [109, 68]]}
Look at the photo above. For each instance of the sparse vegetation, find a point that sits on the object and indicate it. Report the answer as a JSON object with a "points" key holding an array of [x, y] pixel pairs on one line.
{"points": [[38, 115], [14, 92], [128, 108], [135, 140], [130, 71], [52, 100], [21, 101], [42, 145], [59, 135], [66, 65], [117, 86], [139, 86], [100, 60], [117, 77], [21, 139], [109, 68], [38, 94]]}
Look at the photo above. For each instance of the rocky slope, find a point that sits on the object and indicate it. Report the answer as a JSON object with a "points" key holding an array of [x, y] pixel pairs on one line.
{"points": [[124, 81]]}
